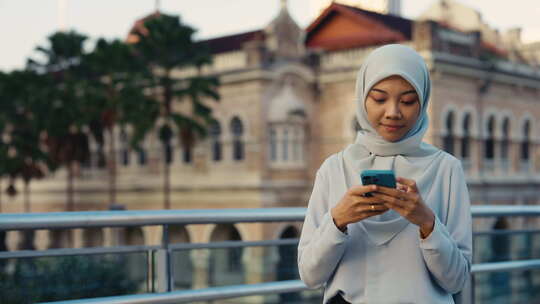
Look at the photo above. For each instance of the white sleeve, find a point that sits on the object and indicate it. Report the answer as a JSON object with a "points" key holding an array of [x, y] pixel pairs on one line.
{"points": [[447, 250], [322, 244]]}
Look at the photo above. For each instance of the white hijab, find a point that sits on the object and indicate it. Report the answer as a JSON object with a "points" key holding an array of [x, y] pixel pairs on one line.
{"points": [[408, 157]]}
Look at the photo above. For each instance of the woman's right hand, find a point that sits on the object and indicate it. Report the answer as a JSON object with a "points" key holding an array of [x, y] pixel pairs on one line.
{"points": [[355, 206]]}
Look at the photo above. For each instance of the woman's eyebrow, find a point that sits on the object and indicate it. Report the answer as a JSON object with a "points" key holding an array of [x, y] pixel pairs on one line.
{"points": [[409, 92], [404, 93]]}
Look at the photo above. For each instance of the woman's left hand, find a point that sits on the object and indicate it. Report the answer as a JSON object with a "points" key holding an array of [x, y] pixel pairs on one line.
{"points": [[407, 201]]}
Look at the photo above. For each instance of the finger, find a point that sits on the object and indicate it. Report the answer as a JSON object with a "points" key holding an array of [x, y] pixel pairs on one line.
{"points": [[374, 208], [408, 182], [402, 187], [392, 192], [389, 200], [361, 190]]}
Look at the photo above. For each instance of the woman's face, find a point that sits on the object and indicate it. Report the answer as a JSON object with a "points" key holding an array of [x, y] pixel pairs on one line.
{"points": [[392, 107]]}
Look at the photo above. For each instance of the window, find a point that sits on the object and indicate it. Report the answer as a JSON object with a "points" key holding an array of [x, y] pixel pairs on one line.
{"points": [[215, 138], [285, 145], [525, 144], [124, 150], [448, 141], [296, 144], [186, 155], [489, 148], [237, 130], [142, 156], [465, 140], [273, 145], [505, 141]]}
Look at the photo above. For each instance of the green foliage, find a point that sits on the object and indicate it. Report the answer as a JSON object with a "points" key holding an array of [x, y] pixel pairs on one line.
{"points": [[49, 111], [166, 44], [64, 278]]}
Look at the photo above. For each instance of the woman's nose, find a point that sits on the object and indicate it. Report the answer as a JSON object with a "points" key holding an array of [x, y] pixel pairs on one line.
{"points": [[392, 112]]}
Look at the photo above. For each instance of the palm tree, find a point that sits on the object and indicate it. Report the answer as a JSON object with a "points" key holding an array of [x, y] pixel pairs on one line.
{"points": [[165, 44], [66, 108], [115, 76], [20, 155]]}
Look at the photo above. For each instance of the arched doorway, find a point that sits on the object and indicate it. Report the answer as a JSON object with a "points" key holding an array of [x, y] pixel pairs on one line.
{"points": [[93, 237], [287, 267], [136, 263], [225, 264], [181, 259], [60, 238], [500, 247]]}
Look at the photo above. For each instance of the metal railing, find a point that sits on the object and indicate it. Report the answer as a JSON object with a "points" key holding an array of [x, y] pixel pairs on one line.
{"points": [[63, 220]]}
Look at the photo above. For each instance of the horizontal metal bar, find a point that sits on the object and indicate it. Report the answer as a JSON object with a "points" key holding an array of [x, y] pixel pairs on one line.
{"points": [[507, 210], [140, 248], [75, 251], [87, 219], [506, 232], [505, 266], [206, 294], [233, 244]]}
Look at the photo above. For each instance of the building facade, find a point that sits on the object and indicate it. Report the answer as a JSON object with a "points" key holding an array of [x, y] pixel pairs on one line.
{"points": [[287, 103]]}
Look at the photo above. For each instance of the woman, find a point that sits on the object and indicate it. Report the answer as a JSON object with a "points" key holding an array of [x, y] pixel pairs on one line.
{"points": [[411, 244]]}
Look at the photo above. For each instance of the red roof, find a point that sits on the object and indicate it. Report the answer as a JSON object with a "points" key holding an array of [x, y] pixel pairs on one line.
{"points": [[342, 26]]}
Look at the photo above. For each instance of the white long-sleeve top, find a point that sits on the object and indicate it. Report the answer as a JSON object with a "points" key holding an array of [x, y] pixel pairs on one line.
{"points": [[370, 263]]}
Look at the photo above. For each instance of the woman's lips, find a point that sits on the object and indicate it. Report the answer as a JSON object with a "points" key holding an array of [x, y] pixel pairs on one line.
{"points": [[391, 128]]}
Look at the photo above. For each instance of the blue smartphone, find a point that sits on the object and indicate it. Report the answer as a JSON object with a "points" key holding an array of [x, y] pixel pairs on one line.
{"points": [[384, 178]]}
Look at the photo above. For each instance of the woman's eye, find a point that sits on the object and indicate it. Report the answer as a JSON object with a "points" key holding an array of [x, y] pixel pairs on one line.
{"points": [[408, 102], [379, 100]]}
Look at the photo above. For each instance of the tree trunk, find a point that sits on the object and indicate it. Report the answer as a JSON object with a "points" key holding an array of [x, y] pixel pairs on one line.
{"points": [[166, 171], [27, 197], [167, 181], [112, 169], [1, 190], [70, 177]]}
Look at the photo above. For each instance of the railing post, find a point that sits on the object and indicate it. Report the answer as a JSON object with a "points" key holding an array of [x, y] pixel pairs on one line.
{"points": [[164, 269]]}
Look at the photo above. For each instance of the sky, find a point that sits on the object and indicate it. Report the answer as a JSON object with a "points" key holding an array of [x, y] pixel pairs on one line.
{"points": [[25, 24]]}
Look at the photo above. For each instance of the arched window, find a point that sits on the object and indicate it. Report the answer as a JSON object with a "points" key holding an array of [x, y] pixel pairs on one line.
{"points": [[215, 137], [142, 156], [237, 130], [466, 139], [124, 150], [525, 144], [489, 148], [505, 142], [273, 145], [448, 141], [285, 144], [187, 141]]}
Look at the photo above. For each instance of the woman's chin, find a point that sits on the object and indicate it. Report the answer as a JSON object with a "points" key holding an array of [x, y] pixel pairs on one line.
{"points": [[392, 137]]}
